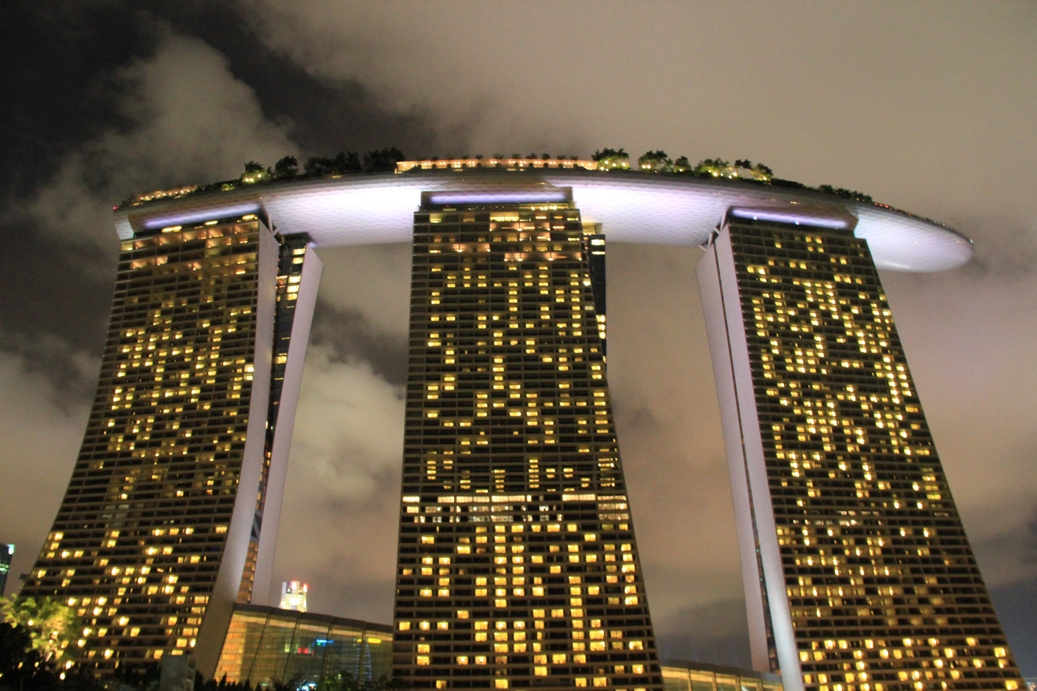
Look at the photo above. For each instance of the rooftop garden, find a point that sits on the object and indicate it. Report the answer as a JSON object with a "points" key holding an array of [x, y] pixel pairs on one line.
{"points": [[392, 160]]}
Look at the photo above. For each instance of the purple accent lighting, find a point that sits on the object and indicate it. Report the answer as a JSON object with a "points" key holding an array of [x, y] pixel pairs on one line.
{"points": [[785, 217], [197, 216], [532, 196]]}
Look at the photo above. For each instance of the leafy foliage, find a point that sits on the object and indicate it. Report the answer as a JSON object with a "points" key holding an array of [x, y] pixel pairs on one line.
{"points": [[21, 665], [742, 169], [712, 166], [202, 684], [287, 167], [50, 624], [655, 161], [341, 164], [845, 193], [612, 159], [383, 160], [254, 172]]}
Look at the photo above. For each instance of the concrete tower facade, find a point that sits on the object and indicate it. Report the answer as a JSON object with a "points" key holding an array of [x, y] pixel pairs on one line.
{"points": [[858, 574], [171, 512], [517, 562]]}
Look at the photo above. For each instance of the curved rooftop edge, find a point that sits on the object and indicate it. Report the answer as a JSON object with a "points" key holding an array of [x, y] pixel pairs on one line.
{"points": [[633, 207]]}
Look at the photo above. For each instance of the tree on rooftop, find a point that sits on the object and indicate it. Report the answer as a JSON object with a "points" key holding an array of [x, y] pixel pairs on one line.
{"points": [[344, 162], [348, 162], [382, 160], [611, 159], [712, 166], [654, 161], [763, 171], [287, 167], [845, 193], [317, 165], [254, 172]]}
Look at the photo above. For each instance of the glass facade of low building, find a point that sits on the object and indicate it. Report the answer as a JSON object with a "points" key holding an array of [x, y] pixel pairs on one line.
{"points": [[680, 675], [267, 645]]}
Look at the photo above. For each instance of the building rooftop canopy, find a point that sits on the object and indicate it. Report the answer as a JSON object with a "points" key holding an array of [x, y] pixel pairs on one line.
{"points": [[634, 207]]}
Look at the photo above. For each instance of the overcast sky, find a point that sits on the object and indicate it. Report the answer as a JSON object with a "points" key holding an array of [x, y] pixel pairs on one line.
{"points": [[928, 106]]}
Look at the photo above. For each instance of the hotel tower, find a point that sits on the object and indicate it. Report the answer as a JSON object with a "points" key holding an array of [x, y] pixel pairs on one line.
{"points": [[171, 513], [857, 571], [517, 564]]}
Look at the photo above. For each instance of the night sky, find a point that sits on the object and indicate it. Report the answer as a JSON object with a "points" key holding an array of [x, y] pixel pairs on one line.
{"points": [[928, 106]]}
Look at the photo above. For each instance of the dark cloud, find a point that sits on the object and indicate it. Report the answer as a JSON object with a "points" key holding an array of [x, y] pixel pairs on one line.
{"points": [[1006, 250], [364, 306], [349, 117], [56, 61], [350, 336], [44, 412], [348, 428], [55, 296], [188, 119], [71, 372], [1017, 603], [336, 537], [437, 76], [714, 633]]}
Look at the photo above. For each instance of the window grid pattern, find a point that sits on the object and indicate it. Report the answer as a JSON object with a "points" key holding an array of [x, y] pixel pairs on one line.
{"points": [[517, 564], [882, 586], [141, 533]]}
